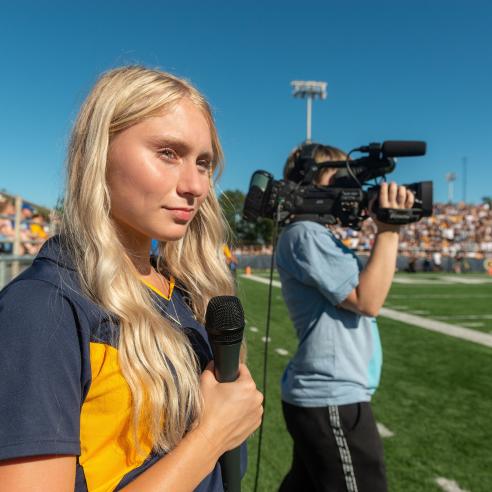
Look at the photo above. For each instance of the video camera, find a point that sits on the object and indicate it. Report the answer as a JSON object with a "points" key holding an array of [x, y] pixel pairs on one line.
{"points": [[343, 202]]}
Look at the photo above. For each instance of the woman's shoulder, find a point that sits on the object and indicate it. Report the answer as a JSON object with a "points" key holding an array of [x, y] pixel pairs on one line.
{"points": [[52, 268], [49, 288]]}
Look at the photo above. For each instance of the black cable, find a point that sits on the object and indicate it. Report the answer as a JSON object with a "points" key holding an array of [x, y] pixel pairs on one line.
{"points": [[350, 172], [265, 353]]}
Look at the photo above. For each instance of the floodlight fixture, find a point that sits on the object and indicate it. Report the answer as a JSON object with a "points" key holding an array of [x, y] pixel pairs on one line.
{"points": [[309, 89]]}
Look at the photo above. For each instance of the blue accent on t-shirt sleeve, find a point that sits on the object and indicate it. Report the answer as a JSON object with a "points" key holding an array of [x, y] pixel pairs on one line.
{"points": [[376, 360]]}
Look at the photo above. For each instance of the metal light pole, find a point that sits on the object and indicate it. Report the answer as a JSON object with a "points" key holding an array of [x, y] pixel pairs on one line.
{"points": [[465, 166], [450, 178], [309, 89]]}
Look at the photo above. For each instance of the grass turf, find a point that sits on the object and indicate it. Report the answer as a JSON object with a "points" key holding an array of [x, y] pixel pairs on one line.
{"points": [[435, 393]]}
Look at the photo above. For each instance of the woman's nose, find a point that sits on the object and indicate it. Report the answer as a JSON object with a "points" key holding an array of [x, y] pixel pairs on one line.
{"points": [[192, 180]]}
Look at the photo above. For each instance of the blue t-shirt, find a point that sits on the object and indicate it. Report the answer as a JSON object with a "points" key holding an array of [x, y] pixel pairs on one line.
{"points": [[61, 388], [338, 360]]}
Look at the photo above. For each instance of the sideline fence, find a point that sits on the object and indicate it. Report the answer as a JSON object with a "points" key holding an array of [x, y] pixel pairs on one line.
{"points": [[11, 266], [473, 265], [14, 261]]}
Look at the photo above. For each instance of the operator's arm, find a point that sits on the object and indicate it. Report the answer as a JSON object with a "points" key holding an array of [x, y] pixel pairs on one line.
{"points": [[375, 280]]}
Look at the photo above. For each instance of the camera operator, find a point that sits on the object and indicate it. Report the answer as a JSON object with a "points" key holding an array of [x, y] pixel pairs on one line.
{"points": [[328, 384]]}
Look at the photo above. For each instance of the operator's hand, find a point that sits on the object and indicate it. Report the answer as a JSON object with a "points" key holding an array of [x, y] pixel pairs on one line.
{"points": [[392, 196]]}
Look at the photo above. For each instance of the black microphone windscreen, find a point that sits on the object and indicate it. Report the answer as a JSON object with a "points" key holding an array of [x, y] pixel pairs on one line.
{"points": [[403, 148], [224, 316]]}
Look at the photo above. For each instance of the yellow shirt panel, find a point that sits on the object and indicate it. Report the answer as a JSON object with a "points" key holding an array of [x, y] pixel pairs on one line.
{"points": [[107, 450]]}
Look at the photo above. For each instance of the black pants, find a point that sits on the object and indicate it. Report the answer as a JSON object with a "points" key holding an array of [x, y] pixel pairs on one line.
{"points": [[336, 449]]}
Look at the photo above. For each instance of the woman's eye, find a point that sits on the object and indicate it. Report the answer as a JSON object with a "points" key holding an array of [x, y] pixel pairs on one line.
{"points": [[168, 154], [204, 165]]}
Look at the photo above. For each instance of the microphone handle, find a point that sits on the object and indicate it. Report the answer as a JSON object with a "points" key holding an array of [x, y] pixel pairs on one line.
{"points": [[226, 362], [230, 464]]}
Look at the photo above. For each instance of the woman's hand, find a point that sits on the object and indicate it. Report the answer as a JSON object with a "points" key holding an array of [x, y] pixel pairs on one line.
{"points": [[392, 196], [231, 411]]}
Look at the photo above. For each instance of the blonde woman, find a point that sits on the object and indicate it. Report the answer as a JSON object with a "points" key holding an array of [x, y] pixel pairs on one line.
{"points": [[106, 382]]}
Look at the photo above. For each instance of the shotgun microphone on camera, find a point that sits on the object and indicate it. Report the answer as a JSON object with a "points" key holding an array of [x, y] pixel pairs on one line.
{"points": [[395, 148], [224, 322]]}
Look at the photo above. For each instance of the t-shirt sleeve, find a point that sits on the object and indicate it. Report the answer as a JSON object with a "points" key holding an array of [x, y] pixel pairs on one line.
{"points": [[315, 258], [40, 368]]}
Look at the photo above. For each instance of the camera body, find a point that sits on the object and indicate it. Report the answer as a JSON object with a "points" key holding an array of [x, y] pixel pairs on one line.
{"points": [[347, 199]]}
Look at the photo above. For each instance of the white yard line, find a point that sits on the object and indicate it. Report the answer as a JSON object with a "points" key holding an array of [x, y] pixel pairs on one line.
{"points": [[457, 279], [281, 351], [444, 279], [463, 316], [441, 296], [417, 280], [262, 280], [439, 326], [413, 319], [449, 485]]}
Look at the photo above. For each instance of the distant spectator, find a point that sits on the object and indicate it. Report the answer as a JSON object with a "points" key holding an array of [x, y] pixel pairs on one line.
{"points": [[37, 231], [437, 260], [7, 231], [33, 230], [412, 265], [231, 259], [458, 263], [26, 216]]}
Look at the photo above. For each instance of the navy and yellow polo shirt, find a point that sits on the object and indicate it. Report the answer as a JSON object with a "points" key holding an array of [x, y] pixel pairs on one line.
{"points": [[61, 388]]}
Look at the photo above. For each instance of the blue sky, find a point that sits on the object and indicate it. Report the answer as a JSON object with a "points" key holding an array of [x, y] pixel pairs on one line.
{"points": [[419, 70]]}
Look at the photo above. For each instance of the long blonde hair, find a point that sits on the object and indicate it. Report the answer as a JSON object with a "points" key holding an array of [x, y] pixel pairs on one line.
{"points": [[156, 360]]}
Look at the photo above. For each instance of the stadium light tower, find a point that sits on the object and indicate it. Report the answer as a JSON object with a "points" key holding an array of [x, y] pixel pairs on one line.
{"points": [[465, 169], [309, 89], [450, 178]]}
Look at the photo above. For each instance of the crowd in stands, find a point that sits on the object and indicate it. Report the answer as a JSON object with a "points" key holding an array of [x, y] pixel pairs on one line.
{"points": [[34, 227], [453, 230]]}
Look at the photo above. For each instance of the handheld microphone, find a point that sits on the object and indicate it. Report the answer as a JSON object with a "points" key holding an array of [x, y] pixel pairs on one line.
{"points": [[224, 322]]}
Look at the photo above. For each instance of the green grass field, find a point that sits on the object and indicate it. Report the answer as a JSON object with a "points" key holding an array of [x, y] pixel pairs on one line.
{"points": [[435, 393]]}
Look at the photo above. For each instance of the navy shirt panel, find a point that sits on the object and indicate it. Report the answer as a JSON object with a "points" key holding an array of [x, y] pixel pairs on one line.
{"points": [[41, 365]]}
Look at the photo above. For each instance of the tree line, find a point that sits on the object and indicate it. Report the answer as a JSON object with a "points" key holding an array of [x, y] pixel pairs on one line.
{"points": [[244, 233]]}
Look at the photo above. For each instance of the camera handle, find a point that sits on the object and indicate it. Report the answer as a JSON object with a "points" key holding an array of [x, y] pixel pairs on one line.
{"points": [[398, 216]]}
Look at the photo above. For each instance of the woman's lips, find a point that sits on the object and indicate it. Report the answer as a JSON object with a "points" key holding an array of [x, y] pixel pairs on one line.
{"points": [[184, 214]]}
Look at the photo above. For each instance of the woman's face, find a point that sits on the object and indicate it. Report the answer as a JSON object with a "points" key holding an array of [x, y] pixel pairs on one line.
{"points": [[159, 173], [327, 177]]}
